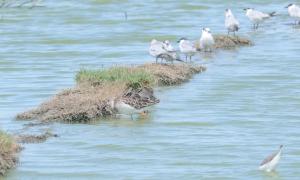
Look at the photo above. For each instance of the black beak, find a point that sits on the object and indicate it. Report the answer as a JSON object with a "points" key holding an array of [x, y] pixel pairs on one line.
{"points": [[245, 9]]}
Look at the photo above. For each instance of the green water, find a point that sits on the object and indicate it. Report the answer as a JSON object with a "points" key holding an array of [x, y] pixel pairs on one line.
{"points": [[220, 125]]}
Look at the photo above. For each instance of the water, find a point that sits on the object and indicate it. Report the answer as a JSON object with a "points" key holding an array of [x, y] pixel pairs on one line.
{"points": [[220, 125]]}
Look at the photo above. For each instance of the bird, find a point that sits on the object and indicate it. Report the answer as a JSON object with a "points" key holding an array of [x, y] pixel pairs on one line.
{"points": [[294, 12], [231, 23], [207, 40], [124, 108], [171, 53], [269, 164], [156, 49], [187, 48], [257, 17], [163, 50]]}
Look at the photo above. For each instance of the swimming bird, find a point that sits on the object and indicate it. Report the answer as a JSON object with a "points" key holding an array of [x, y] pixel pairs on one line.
{"points": [[269, 164], [257, 17], [207, 40], [231, 23], [125, 108], [294, 12], [187, 48], [156, 49]]}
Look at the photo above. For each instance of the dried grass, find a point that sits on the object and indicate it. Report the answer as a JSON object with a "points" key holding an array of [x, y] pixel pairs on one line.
{"points": [[8, 152]]}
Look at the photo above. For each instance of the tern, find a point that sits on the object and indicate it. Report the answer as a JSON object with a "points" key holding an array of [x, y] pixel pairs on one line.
{"points": [[231, 23], [187, 48], [294, 12], [269, 164], [207, 40], [156, 49], [257, 17], [170, 54]]}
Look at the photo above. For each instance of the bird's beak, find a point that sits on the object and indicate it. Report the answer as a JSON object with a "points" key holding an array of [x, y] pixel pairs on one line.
{"points": [[245, 9], [287, 6]]}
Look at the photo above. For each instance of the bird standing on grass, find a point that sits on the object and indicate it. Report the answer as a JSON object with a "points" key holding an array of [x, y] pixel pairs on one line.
{"points": [[257, 17], [231, 23], [187, 48], [294, 12], [269, 164], [207, 40]]}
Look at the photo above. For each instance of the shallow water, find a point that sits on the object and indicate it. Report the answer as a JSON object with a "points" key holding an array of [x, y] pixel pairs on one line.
{"points": [[220, 125]]}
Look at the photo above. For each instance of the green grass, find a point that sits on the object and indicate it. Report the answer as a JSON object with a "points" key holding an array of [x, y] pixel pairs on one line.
{"points": [[6, 142], [133, 77]]}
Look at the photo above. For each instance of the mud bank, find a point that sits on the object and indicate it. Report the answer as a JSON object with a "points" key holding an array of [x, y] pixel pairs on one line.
{"points": [[228, 42], [33, 139], [95, 89], [8, 152]]}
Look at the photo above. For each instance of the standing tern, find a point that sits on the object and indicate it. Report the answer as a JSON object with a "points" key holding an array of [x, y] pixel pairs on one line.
{"points": [[207, 40], [257, 17], [270, 163], [187, 48], [294, 12], [231, 23], [156, 49]]}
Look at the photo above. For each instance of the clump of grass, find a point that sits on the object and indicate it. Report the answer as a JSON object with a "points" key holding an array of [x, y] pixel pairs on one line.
{"points": [[133, 77], [8, 151], [6, 142]]}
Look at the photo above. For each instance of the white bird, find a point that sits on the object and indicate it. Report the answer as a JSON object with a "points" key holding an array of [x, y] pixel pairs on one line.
{"points": [[207, 40], [124, 108], [269, 164], [170, 54], [294, 12], [257, 17], [231, 23], [187, 48], [156, 49]]}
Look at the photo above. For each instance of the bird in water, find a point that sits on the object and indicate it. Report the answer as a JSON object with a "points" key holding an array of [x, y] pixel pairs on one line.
{"points": [[269, 164], [256, 17], [187, 48], [231, 23], [207, 40], [125, 108], [294, 12]]}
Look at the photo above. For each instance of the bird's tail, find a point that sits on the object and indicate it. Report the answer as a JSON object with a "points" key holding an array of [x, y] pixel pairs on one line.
{"points": [[272, 14]]}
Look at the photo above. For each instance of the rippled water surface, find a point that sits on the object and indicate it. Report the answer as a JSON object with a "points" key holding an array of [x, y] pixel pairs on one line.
{"points": [[220, 125]]}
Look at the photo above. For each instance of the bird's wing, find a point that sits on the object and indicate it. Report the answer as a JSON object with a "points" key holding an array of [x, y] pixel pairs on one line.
{"points": [[156, 49], [268, 159], [188, 46], [297, 11], [259, 14]]}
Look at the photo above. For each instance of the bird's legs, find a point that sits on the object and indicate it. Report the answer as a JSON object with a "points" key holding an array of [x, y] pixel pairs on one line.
{"points": [[190, 58], [186, 57], [156, 60]]}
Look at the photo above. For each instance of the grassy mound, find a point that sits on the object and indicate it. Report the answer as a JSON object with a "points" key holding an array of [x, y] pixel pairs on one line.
{"points": [[91, 97], [8, 152]]}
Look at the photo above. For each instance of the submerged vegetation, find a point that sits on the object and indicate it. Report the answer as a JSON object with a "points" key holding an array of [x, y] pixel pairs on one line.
{"points": [[8, 152]]}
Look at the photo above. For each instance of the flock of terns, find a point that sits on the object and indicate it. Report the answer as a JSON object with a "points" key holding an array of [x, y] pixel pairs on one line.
{"points": [[163, 50]]}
